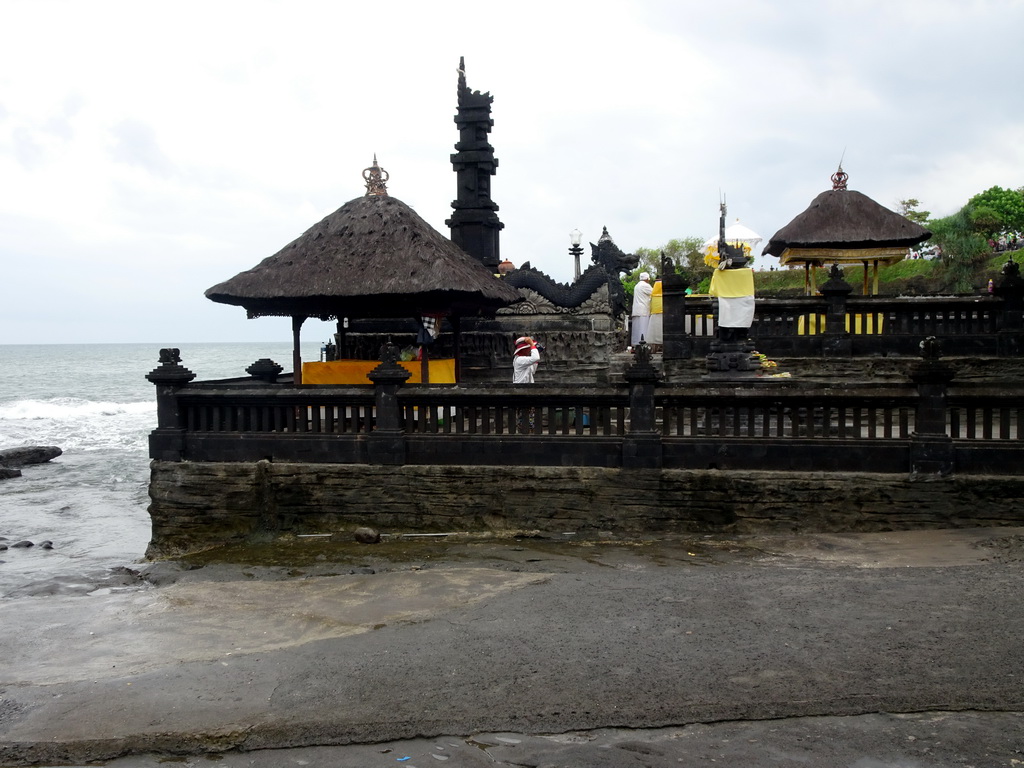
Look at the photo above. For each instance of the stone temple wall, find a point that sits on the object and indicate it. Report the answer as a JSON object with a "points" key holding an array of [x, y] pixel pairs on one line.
{"points": [[579, 344], [199, 505]]}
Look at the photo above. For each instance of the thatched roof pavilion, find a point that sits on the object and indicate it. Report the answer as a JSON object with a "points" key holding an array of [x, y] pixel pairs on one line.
{"points": [[842, 226], [374, 257]]}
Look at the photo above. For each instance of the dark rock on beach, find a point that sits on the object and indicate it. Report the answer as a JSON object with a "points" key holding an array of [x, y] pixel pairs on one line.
{"points": [[366, 535], [28, 454], [12, 458]]}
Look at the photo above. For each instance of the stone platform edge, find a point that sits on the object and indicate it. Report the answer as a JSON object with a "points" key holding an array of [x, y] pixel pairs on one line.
{"points": [[197, 506]]}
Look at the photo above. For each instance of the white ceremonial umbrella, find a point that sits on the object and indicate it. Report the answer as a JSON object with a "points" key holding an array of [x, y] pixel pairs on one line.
{"points": [[737, 233]]}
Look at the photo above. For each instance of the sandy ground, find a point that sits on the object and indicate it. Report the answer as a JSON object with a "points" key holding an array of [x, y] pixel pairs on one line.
{"points": [[854, 649]]}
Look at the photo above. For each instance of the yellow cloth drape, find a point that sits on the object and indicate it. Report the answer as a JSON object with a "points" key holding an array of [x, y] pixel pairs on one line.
{"points": [[355, 371], [732, 283], [656, 301]]}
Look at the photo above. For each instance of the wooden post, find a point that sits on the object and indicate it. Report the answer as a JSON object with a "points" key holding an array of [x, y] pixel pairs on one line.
{"points": [[297, 321], [424, 365], [456, 321]]}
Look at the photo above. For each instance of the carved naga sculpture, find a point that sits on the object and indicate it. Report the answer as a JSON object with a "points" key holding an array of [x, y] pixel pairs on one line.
{"points": [[609, 263]]}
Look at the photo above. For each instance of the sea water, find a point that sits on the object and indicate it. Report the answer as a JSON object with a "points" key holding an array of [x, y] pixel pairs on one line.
{"points": [[94, 403]]}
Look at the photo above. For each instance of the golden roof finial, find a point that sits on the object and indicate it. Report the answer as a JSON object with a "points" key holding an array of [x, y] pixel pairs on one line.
{"points": [[376, 179]]}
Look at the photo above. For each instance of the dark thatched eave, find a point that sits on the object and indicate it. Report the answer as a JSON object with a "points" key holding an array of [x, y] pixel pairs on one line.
{"points": [[373, 257], [846, 219]]}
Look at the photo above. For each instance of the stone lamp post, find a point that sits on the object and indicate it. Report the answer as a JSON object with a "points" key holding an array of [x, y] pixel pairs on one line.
{"points": [[576, 250]]}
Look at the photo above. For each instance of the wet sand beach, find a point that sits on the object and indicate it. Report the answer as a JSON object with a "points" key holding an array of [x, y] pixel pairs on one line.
{"points": [[861, 649]]}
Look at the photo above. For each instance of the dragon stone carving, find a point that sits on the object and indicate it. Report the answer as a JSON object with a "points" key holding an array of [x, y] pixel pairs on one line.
{"points": [[586, 291]]}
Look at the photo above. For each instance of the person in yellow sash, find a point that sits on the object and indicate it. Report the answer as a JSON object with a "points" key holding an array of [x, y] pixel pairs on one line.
{"points": [[656, 325]]}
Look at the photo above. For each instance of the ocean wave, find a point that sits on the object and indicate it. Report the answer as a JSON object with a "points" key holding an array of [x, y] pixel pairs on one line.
{"points": [[71, 408], [77, 424]]}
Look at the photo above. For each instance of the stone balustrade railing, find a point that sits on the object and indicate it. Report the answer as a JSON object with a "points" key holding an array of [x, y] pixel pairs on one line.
{"points": [[924, 425]]}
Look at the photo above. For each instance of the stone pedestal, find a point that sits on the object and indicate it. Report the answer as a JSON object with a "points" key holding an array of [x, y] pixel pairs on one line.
{"points": [[732, 359]]}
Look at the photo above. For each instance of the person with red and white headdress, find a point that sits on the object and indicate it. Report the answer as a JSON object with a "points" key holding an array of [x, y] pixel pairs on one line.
{"points": [[525, 360]]}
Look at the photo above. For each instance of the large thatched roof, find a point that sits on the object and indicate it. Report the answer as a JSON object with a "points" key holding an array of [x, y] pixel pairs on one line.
{"points": [[373, 257], [846, 220]]}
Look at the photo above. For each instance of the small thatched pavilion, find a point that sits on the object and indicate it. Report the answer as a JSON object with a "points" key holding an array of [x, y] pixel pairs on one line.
{"points": [[842, 226], [372, 258]]}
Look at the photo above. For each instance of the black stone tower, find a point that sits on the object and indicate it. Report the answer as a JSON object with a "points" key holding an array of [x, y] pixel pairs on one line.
{"points": [[475, 226]]}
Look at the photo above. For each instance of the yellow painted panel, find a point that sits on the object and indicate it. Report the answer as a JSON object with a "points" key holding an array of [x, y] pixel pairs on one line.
{"points": [[868, 324], [355, 371], [809, 325]]}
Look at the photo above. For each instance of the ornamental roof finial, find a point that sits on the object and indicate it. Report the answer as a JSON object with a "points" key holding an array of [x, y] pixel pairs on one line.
{"points": [[839, 178], [376, 179]]}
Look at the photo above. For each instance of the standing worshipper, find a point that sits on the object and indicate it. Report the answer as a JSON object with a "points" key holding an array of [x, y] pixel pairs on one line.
{"points": [[525, 360], [640, 317]]}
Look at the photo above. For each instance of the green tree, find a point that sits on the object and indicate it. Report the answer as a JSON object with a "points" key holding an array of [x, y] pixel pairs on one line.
{"points": [[685, 253], [961, 247], [985, 220], [996, 211], [908, 209]]}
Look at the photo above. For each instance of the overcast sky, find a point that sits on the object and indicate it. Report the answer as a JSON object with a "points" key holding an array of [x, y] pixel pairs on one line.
{"points": [[151, 150]]}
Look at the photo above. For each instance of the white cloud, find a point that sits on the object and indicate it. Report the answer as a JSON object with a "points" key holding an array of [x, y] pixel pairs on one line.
{"points": [[149, 151]]}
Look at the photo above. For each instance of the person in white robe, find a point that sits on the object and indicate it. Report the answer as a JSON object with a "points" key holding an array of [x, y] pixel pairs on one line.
{"points": [[640, 316]]}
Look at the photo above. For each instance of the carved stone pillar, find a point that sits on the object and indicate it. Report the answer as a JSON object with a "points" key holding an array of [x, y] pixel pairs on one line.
{"points": [[167, 441], [677, 343], [836, 341], [931, 449], [1010, 289], [641, 448], [386, 444], [474, 224]]}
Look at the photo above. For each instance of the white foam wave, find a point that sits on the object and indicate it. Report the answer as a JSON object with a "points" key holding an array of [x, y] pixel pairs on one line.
{"points": [[71, 408], [77, 424]]}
